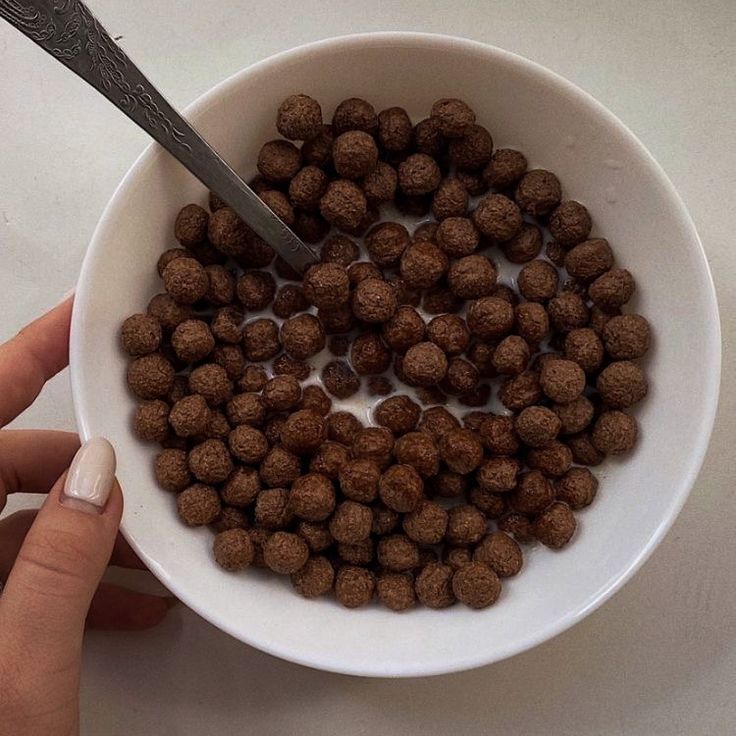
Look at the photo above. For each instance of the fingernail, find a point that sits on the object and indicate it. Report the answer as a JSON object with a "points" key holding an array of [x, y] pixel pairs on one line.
{"points": [[67, 294], [90, 477]]}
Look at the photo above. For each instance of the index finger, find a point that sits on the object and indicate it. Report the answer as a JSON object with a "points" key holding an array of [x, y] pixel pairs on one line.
{"points": [[36, 354]]}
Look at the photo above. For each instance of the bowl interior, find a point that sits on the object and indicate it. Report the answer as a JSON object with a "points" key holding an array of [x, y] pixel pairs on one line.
{"points": [[632, 204]]}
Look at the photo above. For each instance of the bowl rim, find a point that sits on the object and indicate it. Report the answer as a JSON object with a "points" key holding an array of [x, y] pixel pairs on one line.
{"points": [[709, 388]]}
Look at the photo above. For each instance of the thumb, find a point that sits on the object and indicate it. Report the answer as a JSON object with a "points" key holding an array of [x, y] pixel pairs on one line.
{"points": [[63, 557]]}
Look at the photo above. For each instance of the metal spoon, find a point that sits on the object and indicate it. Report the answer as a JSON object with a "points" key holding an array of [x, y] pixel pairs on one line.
{"points": [[68, 31]]}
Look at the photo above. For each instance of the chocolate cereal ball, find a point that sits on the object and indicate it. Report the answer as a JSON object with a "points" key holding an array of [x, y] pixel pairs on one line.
{"points": [[210, 461], [272, 510], [314, 398], [190, 226], [172, 471], [198, 505], [151, 421], [241, 487], [498, 474], [247, 444], [279, 468], [221, 291], [225, 325], [401, 488], [343, 204], [255, 290], [517, 525], [426, 524], [493, 505], [351, 522], [570, 223], [279, 204], [360, 553], [419, 174], [461, 378], [433, 585], [233, 549], [343, 427], [303, 432], [369, 355], [354, 154], [585, 348], [299, 117], [525, 246], [380, 184], [567, 312], [386, 242], [472, 151], [398, 413], [279, 160], [316, 535], [622, 384], [211, 381], [457, 236], [426, 231], [285, 553], [538, 281], [498, 435], [302, 336], [246, 408], [450, 333], [374, 301], [577, 488], [575, 415], [538, 426], [555, 526], [190, 416], [539, 192], [185, 280], [261, 340], [472, 277], [614, 433], [511, 356], [307, 187], [282, 393], [328, 459], [423, 265], [453, 116], [358, 479], [140, 334], [340, 380], [315, 578], [425, 364], [497, 217], [169, 314], [338, 320], [626, 336], [476, 585], [465, 525], [318, 150], [419, 450], [562, 380], [447, 484], [312, 497], [610, 291], [533, 493], [150, 376], [505, 168], [230, 518], [589, 260], [311, 227], [326, 285], [521, 391], [501, 553], [427, 137], [404, 329], [339, 249], [192, 340], [437, 422], [461, 450], [553, 460], [456, 557], [354, 586], [227, 232], [450, 200], [354, 114], [396, 591], [490, 318], [397, 553]]}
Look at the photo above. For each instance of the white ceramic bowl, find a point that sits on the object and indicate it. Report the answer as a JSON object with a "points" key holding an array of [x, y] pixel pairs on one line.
{"points": [[633, 204]]}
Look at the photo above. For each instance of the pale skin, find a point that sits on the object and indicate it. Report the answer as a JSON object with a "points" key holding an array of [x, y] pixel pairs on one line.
{"points": [[52, 560]]}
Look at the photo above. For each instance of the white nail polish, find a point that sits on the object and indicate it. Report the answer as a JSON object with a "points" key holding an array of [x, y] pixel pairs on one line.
{"points": [[90, 477]]}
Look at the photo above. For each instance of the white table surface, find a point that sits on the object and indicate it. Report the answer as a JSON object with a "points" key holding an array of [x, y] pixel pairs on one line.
{"points": [[657, 659]]}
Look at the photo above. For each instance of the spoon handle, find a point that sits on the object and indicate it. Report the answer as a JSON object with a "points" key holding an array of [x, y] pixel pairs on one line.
{"points": [[68, 31]]}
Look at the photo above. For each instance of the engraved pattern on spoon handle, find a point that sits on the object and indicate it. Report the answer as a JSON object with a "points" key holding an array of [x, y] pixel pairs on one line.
{"points": [[68, 31]]}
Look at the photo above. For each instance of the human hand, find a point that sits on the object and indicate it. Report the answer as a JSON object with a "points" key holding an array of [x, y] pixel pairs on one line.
{"points": [[52, 561]]}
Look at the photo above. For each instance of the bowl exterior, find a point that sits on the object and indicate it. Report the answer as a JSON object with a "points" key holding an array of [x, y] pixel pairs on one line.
{"points": [[633, 204]]}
